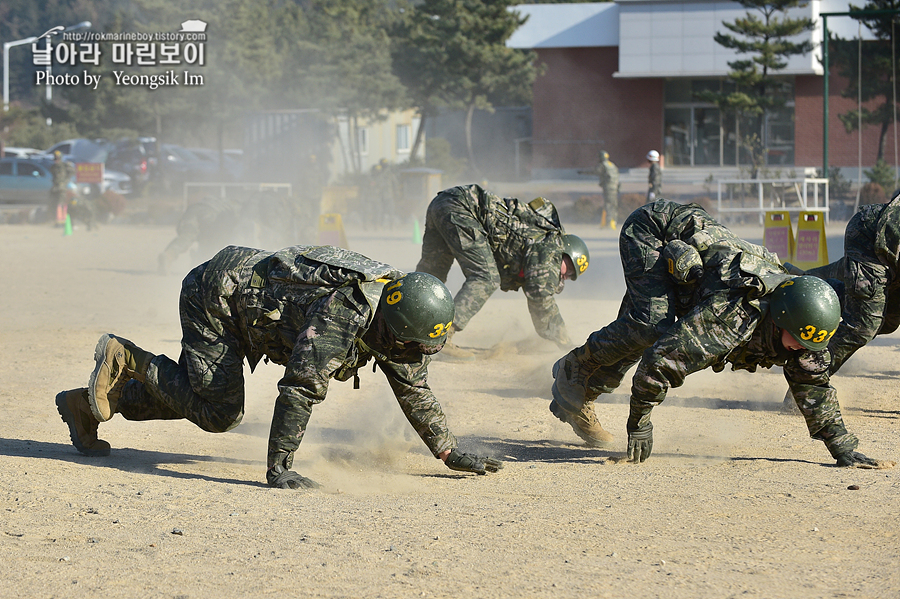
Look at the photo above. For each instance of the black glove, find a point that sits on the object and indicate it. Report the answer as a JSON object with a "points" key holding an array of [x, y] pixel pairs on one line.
{"points": [[280, 478], [854, 459], [466, 462], [640, 443]]}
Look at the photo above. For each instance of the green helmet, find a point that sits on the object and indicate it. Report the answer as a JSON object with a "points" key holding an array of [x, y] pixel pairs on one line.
{"points": [[808, 308], [575, 248], [418, 307]]}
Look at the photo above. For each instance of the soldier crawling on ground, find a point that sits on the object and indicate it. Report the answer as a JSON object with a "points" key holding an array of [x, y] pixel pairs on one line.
{"points": [[698, 296], [502, 243], [869, 274], [322, 312]]}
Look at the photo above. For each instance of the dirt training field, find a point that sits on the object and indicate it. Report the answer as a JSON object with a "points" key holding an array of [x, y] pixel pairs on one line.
{"points": [[736, 501]]}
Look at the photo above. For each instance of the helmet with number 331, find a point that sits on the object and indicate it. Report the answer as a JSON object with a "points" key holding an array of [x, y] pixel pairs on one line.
{"points": [[809, 309], [418, 307]]}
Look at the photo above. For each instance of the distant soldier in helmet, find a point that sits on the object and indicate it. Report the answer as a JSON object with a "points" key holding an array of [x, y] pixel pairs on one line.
{"points": [[322, 312], [700, 297], [608, 174], [61, 172], [502, 243], [654, 180]]}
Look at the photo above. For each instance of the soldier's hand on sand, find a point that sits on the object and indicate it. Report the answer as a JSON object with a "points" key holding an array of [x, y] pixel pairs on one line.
{"points": [[466, 462], [854, 459], [280, 478], [640, 443]]}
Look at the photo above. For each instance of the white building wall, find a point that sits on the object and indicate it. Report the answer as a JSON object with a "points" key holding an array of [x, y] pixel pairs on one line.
{"points": [[659, 38]]}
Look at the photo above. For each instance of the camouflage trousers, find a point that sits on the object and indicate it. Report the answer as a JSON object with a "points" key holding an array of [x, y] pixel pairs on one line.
{"points": [[453, 232], [649, 308], [611, 202], [206, 385]]}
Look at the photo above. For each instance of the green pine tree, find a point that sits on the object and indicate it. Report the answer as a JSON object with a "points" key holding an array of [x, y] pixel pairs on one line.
{"points": [[452, 54], [764, 34]]}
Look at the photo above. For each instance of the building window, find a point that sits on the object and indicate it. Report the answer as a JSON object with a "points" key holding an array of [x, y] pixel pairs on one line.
{"points": [[403, 138], [362, 138], [699, 134]]}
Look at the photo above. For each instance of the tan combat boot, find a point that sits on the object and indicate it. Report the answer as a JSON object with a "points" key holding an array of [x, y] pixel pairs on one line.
{"points": [[75, 410], [570, 382], [573, 403], [584, 423], [117, 360]]}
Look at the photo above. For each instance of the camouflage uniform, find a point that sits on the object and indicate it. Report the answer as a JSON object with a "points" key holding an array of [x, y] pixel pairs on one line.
{"points": [[609, 181], [310, 309], [61, 172], [674, 330], [653, 300], [735, 327], [655, 181], [870, 273], [499, 242]]}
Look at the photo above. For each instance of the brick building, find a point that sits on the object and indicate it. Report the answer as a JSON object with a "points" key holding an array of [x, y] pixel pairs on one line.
{"points": [[622, 77]]}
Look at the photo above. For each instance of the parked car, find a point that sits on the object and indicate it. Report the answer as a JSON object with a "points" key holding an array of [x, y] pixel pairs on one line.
{"points": [[96, 151], [14, 152], [112, 181], [25, 181], [81, 149], [178, 165], [136, 157], [232, 161], [28, 181]]}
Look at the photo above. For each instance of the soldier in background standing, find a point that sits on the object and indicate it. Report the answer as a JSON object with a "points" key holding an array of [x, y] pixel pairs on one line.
{"points": [[381, 205], [654, 179], [608, 173], [61, 172]]}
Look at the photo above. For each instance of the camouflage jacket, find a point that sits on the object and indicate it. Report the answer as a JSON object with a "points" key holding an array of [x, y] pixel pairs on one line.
{"points": [[871, 276], [609, 176], [61, 172], [730, 327], [312, 310], [729, 262], [526, 240]]}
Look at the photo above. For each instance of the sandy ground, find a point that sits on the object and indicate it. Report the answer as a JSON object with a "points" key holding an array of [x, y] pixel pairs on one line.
{"points": [[736, 500]]}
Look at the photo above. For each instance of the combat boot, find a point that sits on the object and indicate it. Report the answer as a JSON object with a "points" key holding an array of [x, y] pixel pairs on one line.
{"points": [[118, 361], [584, 423], [573, 401], [570, 376], [75, 410]]}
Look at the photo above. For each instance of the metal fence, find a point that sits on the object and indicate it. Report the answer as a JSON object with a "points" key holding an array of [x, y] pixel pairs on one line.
{"points": [[748, 196]]}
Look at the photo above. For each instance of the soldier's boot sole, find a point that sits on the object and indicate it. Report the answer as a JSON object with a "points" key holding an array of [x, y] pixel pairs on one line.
{"points": [[584, 424], [82, 425], [108, 378]]}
